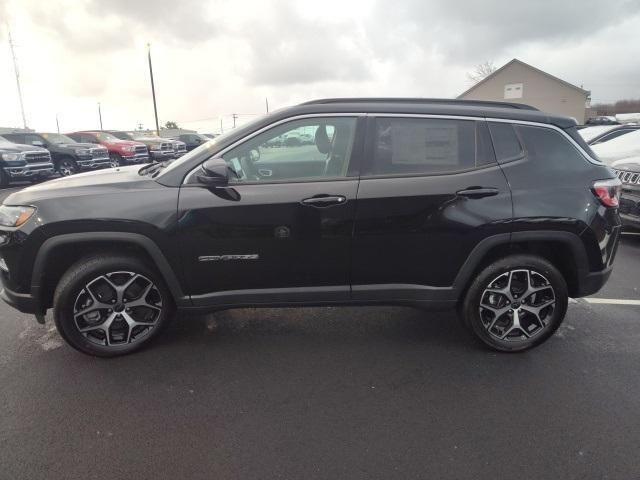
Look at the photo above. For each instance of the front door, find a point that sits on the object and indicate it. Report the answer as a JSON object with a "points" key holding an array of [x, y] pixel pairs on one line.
{"points": [[281, 231]]}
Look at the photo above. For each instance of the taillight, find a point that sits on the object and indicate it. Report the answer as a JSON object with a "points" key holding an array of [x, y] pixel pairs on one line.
{"points": [[608, 191]]}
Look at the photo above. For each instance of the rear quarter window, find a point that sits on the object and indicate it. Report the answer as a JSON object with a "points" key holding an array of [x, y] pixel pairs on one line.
{"points": [[547, 146]]}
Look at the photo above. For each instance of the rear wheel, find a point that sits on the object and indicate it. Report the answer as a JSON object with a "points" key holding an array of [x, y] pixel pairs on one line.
{"points": [[67, 167], [516, 303], [109, 306]]}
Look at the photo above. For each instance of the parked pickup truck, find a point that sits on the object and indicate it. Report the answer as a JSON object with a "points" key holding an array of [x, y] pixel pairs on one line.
{"points": [[68, 156], [121, 152], [23, 162], [159, 149]]}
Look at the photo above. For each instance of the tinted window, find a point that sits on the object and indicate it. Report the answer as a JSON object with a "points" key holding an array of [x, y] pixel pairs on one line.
{"points": [[505, 141], [302, 149], [423, 146], [546, 145]]}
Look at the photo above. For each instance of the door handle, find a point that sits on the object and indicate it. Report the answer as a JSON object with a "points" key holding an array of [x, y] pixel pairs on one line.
{"points": [[478, 192], [321, 201]]}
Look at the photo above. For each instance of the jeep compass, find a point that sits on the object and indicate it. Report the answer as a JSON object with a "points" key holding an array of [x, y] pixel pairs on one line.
{"points": [[494, 209]]}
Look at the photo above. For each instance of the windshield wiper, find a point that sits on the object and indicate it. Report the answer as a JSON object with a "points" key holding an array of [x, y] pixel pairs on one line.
{"points": [[150, 168]]}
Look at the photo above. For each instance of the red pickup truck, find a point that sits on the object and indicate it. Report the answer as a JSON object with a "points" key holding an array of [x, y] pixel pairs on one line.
{"points": [[121, 152]]}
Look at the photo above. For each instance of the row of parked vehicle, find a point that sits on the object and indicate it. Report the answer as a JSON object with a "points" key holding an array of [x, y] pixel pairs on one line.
{"points": [[36, 156], [619, 147]]}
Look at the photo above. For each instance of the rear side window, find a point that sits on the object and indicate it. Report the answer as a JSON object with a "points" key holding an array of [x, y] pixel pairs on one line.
{"points": [[546, 145], [423, 146], [505, 141]]}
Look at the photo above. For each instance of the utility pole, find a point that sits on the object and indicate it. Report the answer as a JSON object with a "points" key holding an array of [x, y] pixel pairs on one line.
{"points": [[57, 123], [153, 90], [100, 115], [15, 68], [266, 101], [235, 115]]}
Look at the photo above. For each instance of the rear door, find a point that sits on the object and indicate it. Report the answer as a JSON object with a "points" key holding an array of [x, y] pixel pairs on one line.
{"points": [[281, 231], [430, 191]]}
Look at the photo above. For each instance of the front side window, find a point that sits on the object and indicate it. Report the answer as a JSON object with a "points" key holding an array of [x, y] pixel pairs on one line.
{"points": [[423, 146], [313, 148]]}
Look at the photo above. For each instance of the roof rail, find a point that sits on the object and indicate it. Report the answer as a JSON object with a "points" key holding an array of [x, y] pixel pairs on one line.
{"points": [[432, 101]]}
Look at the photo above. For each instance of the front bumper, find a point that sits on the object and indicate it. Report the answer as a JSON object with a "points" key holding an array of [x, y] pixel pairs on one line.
{"points": [[137, 158], [162, 155], [23, 302], [30, 170], [91, 163], [630, 209]]}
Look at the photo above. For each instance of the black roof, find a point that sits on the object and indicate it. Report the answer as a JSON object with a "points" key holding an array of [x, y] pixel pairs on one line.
{"points": [[425, 101], [425, 106]]}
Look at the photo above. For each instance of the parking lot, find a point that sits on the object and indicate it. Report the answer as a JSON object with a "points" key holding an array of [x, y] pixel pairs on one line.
{"points": [[330, 393]]}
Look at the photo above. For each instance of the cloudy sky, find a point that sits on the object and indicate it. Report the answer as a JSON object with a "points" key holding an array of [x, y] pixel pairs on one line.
{"points": [[215, 58]]}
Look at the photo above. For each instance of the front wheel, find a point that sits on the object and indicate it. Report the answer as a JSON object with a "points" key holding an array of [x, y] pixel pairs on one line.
{"points": [[67, 167], [516, 303], [109, 306], [115, 160]]}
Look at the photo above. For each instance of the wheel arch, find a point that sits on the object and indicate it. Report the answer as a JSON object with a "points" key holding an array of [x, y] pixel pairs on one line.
{"points": [[58, 253], [564, 250]]}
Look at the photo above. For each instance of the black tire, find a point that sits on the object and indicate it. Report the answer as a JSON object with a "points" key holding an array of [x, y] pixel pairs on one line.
{"points": [[116, 160], [72, 289], [67, 166], [4, 178], [478, 319]]}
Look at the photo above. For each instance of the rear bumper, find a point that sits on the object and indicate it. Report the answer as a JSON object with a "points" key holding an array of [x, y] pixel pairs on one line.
{"points": [[592, 282]]}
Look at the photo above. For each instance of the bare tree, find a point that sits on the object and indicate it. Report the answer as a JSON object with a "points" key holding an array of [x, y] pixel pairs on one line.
{"points": [[481, 71]]}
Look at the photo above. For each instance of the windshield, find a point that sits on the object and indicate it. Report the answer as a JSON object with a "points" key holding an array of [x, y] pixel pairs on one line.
{"points": [[57, 138], [106, 137]]}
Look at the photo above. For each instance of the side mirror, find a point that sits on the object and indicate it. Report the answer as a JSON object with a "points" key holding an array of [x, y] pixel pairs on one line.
{"points": [[37, 143], [214, 173]]}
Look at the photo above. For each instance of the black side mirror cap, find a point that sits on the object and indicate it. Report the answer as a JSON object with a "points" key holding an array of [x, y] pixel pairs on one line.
{"points": [[214, 173]]}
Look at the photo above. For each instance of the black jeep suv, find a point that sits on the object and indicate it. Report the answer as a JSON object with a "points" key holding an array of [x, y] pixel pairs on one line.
{"points": [[497, 209], [69, 156]]}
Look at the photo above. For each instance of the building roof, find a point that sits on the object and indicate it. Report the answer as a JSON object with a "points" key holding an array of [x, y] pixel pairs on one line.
{"points": [[519, 62]]}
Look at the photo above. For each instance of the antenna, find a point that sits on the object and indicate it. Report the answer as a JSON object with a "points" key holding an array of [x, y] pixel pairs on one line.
{"points": [[15, 68]]}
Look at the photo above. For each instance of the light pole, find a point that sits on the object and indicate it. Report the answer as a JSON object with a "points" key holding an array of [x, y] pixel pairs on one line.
{"points": [[153, 89], [15, 67], [100, 115], [57, 123]]}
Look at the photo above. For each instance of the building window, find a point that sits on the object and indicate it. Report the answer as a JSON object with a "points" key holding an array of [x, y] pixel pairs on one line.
{"points": [[513, 90]]}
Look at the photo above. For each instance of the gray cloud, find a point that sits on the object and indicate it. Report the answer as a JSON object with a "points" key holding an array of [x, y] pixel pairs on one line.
{"points": [[184, 20], [475, 31], [290, 49]]}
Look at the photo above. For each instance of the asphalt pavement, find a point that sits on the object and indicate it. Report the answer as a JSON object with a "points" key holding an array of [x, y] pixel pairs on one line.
{"points": [[330, 393]]}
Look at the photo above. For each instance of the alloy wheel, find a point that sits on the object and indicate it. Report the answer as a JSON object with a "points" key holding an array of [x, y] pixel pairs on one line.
{"points": [[66, 168], [517, 305], [117, 308], [114, 161]]}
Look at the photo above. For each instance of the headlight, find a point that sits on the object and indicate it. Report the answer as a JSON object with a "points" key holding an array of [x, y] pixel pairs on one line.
{"points": [[129, 148], [83, 151], [155, 147], [15, 216], [11, 157]]}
